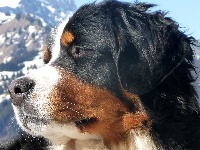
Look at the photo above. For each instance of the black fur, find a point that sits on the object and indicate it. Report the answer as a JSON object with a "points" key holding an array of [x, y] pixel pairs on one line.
{"points": [[26, 142], [149, 54]]}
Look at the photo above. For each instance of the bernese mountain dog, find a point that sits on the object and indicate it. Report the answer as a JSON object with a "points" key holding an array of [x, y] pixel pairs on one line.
{"points": [[117, 77]]}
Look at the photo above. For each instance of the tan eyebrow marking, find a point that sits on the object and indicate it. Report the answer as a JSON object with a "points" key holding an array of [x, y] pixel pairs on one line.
{"points": [[46, 55], [67, 38]]}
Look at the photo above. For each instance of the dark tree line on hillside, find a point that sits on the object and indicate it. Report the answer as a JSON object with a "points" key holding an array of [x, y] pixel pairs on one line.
{"points": [[8, 126]]}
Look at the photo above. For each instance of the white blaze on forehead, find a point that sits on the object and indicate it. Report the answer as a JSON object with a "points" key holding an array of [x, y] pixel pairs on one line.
{"points": [[58, 34], [45, 75]]}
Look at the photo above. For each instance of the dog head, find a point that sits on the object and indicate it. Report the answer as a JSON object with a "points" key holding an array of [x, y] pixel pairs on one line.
{"points": [[92, 60]]}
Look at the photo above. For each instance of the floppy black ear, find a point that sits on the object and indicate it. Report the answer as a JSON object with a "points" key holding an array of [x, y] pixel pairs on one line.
{"points": [[150, 47]]}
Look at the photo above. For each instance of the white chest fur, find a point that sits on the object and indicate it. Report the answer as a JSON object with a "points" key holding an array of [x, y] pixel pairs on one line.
{"points": [[137, 140]]}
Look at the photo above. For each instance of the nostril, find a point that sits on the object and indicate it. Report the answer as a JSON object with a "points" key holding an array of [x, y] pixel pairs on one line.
{"points": [[17, 90], [23, 86]]}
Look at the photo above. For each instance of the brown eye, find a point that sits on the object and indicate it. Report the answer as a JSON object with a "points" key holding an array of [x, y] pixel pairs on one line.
{"points": [[77, 52], [46, 55]]}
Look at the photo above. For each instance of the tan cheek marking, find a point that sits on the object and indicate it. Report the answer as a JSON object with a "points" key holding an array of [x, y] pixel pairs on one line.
{"points": [[73, 100], [67, 38], [136, 120], [46, 55], [114, 125]]}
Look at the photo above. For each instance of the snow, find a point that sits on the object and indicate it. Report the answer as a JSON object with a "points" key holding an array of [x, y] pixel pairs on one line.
{"points": [[51, 9], [9, 34], [9, 3], [4, 18], [62, 14], [197, 57], [15, 38], [27, 44], [4, 97], [1, 53], [6, 73], [36, 61], [31, 29], [43, 22], [37, 37], [26, 37], [2, 38], [7, 59]]}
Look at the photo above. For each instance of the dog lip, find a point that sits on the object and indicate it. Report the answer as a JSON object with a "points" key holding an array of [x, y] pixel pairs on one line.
{"points": [[35, 119], [17, 99], [85, 121]]}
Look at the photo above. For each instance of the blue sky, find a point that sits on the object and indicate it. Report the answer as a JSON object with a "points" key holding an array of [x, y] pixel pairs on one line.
{"points": [[185, 12]]}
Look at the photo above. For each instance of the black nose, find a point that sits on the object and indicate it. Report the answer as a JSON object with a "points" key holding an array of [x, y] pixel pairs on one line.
{"points": [[19, 89]]}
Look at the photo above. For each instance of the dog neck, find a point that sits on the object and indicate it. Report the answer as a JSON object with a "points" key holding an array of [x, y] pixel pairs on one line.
{"points": [[136, 140]]}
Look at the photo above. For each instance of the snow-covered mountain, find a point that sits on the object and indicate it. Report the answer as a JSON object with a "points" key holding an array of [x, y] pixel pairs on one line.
{"points": [[22, 38], [23, 31], [51, 11]]}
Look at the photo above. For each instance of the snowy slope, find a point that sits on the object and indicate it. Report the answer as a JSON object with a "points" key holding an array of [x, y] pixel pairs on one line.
{"points": [[19, 47], [23, 30], [51, 11]]}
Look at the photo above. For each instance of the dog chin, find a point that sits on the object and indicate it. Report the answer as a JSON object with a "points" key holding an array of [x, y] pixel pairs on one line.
{"points": [[60, 134], [52, 130]]}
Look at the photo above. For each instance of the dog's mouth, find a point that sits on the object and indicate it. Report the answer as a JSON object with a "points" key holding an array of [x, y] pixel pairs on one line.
{"points": [[85, 121], [34, 119]]}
